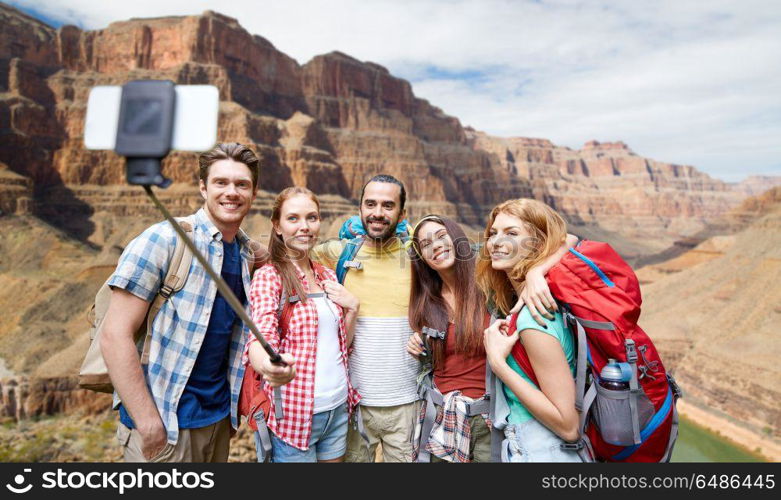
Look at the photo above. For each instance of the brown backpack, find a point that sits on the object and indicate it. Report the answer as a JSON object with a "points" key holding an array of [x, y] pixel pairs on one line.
{"points": [[93, 374]]}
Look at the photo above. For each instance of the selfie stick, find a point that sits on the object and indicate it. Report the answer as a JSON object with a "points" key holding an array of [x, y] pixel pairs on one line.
{"points": [[144, 137], [223, 287]]}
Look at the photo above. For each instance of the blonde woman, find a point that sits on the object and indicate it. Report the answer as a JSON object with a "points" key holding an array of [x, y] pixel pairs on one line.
{"points": [[317, 396]]}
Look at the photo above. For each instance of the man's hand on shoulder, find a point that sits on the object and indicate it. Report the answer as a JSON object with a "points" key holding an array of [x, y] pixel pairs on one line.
{"points": [[327, 253]]}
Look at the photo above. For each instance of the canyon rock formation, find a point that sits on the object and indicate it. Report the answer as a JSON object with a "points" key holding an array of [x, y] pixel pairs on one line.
{"points": [[714, 312], [328, 124]]}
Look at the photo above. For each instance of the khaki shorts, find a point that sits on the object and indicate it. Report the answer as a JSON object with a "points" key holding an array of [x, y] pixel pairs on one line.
{"points": [[388, 426], [204, 444]]}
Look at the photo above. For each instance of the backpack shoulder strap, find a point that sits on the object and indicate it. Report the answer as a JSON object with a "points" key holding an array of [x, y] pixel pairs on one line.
{"points": [[576, 328], [431, 398], [319, 270], [583, 399], [179, 267], [403, 230], [520, 355], [499, 410], [346, 259], [284, 312], [175, 278]]}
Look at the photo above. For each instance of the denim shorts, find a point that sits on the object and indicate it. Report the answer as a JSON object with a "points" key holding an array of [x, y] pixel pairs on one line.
{"points": [[327, 442], [531, 441]]}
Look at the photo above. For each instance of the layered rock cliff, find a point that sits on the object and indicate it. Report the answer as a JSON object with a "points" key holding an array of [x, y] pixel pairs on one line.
{"points": [[754, 185], [22, 398], [328, 124], [608, 185], [16, 192]]}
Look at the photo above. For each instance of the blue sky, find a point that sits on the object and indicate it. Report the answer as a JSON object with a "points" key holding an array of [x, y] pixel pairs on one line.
{"points": [[690, 82]]}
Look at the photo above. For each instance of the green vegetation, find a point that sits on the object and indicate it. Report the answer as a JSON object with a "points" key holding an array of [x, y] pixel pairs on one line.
{"points": [[697, 444], [59, 439]]}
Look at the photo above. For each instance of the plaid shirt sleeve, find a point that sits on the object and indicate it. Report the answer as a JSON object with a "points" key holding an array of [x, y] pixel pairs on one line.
{"points": [[144, 262], [300, 341], [264, 295]]}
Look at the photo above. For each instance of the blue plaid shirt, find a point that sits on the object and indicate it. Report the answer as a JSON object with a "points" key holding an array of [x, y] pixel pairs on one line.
{"points": [[180, 327]]}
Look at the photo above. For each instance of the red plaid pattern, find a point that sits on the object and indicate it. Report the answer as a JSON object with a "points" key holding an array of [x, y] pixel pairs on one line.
{"points": [[299, 340]]}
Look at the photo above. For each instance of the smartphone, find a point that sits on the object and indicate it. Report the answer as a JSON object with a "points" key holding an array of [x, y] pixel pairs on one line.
{"points": [[195, 116]]}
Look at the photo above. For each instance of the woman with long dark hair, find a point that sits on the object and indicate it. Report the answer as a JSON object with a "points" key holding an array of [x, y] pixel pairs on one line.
{"points": [[316, 404], [445, 299]]}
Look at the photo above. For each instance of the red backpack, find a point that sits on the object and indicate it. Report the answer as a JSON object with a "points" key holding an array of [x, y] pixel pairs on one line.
{"points": [[601, 301], [252, 397], [253, 400]]}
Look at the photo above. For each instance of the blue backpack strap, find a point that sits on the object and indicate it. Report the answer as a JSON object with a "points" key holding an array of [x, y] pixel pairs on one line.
{"points": [[352, 228], [403, 230], [349, 252]]}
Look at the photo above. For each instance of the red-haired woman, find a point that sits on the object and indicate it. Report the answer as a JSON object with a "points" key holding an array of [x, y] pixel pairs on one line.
{"points": [[317, 402], [522, 234]]}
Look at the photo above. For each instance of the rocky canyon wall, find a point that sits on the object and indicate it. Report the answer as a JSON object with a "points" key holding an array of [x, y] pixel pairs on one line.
{"points": [[328, 124]]}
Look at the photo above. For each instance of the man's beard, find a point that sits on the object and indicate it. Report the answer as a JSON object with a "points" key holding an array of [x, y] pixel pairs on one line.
{"points": [[387, 233]]}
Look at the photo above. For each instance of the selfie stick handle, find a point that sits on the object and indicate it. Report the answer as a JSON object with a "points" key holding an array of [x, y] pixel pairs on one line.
{"points": [[145, 171], [223, 287]]}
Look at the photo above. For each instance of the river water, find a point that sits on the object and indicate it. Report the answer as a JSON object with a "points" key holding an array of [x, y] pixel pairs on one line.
{"points": [[696, 444]]}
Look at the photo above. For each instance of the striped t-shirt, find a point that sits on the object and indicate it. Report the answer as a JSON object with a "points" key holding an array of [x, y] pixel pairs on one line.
{"points": [[380, 368]]}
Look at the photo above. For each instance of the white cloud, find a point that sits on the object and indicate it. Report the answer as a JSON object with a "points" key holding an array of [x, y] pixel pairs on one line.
{"points": [[679, 81]]}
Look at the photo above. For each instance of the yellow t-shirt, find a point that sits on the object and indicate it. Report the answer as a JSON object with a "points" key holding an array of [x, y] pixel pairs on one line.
{"points": [[382, 285], [381, 369]]}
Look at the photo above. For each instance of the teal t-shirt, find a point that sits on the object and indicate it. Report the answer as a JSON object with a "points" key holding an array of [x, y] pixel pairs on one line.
{"points": [[558, 329]]}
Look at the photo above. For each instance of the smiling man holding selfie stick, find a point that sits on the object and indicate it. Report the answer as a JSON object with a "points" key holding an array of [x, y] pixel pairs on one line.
{"points": [[180, 405]]}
